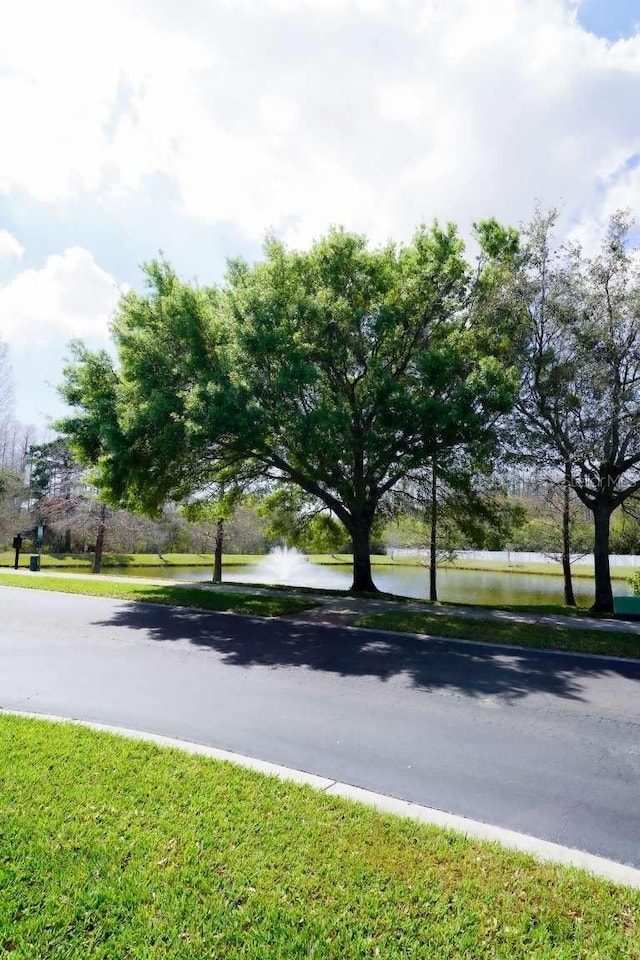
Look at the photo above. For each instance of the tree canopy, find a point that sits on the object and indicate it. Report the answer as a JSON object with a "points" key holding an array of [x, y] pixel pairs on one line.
{"points": [[340, 369]]}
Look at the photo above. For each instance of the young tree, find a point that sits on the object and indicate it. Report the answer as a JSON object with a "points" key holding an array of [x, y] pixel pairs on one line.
{"points": [[456, 503], [579, 407], [214, 511], [566, 527], [54, 483], [339, 370]]}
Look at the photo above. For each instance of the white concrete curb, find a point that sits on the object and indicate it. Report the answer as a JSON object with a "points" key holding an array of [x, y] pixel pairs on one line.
{"points": [[541, 849]]}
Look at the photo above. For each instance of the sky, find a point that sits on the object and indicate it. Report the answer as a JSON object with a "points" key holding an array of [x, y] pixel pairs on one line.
{"points": [[131, 127]]}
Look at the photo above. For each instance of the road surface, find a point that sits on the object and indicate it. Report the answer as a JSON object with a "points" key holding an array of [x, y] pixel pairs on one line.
{"points": [[544, 744]]}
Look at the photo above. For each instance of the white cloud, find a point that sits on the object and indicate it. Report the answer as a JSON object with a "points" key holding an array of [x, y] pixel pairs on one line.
{"points": [[293, 115], [9, 246], [70, 296], [63, 67]]}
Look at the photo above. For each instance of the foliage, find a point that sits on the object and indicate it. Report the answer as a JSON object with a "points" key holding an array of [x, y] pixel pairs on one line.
{"points": [[57, 493], [52, 469], [542, 535], [325, 535], [625, 528], [294, 518], [473, 514], [245, 531], [405, 530], [634, 582]]}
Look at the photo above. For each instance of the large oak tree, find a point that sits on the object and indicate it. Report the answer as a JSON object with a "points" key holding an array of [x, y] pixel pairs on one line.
{"points": [[340, 369]]}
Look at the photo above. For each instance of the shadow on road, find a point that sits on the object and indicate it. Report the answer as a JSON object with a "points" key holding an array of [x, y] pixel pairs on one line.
{"points": [[476, 671]]}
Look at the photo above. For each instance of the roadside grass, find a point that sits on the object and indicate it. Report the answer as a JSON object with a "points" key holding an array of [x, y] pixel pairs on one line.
{"points": [[169, 594], [116, 849], [547, 636]]}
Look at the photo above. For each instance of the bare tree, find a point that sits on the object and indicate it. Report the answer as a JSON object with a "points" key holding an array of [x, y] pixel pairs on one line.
{"points": [[580, 400], [6, 403]]}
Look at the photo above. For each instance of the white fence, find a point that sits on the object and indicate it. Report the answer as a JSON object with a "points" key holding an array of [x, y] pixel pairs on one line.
{"points": [[517, 557]]}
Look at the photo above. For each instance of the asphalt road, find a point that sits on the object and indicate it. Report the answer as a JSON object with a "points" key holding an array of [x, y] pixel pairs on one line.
{"points": [[544, 744]]}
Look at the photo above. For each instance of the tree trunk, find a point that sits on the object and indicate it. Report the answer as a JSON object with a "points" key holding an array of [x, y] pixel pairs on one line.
{"points": [[217, 560], [67, 540], [433, 540], [102, 524], [604, 595], [362, 579], [569, 598]]}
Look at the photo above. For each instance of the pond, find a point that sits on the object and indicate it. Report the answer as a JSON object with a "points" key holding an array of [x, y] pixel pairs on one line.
{"points": [[461, 586]]}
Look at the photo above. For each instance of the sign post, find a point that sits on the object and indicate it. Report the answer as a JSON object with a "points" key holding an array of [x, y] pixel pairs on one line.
{"points": [[17, 545]]}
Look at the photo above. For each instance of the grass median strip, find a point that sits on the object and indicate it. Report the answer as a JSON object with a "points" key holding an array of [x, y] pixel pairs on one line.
{"points": [[112, 848], [547, 636], [169, 594]]}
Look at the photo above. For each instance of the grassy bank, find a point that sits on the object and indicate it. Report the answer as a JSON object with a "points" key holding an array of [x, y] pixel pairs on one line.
{"points": [[172, 594], [78, 560], [81, 560], [579, 572], [112, 849], [547, 635]]}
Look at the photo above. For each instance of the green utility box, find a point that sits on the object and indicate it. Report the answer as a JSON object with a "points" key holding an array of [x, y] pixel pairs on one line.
{"points": [[627, 607], [34, 562]]}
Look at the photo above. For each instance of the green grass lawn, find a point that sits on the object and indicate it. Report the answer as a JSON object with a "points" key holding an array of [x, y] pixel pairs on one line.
{"points": [[172, 594], [548, 636], [117, 849]]}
